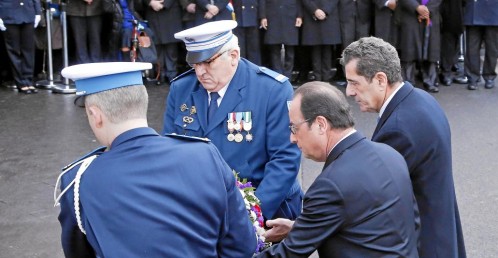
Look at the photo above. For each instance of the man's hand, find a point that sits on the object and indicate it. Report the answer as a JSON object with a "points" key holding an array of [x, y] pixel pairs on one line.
{"points": [[37, 20], [299, 22], [391, 4], [264, 24], [2, 26], [156, 5], [88, 1], [191, 8], [279, 229], [213, 9], [320, 14]]}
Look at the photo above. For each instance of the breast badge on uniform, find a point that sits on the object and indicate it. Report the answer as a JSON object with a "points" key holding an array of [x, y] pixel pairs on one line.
{"points": [[238, 124], [188, 119]]}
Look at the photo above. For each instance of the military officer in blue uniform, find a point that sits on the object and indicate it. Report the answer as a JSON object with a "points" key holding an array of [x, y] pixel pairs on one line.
{"points": [[145, 195], [242, 108]]}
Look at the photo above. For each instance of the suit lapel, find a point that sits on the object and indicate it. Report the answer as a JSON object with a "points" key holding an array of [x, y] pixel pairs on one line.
{"points": [[398, 98], [342, 146], [231, 99]]}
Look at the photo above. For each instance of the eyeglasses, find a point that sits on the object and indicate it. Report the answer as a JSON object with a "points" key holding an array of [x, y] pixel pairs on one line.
{"points": [[209, 61], [293, 127]]}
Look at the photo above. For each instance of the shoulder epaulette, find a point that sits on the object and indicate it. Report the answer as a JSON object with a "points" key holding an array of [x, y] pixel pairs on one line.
{"points": [[187, 138], [97, 151], [278, 77], [183, 74]]}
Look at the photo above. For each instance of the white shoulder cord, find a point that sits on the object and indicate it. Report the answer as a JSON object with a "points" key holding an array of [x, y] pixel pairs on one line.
{"points": [[76, 181]]}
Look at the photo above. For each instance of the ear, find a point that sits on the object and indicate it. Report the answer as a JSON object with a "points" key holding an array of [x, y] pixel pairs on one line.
{"points": [[234, 55], [95, 116], [380, 78], [322, 124]]}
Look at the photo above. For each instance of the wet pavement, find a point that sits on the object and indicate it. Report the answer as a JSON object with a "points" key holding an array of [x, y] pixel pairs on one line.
{"points": [[40, 133]]}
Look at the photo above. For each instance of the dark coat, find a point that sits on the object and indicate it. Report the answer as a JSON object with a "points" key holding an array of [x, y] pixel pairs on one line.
{"points": [[415, 125], [354, 17], [412, 32], [200, 10], [12, 12], [361, 205], [385, 26], [481, 12], [81, 8], [166, 22], [147, 196], [325, 32], [452, 16], [281, 16], [270, 157], [246, 13]]}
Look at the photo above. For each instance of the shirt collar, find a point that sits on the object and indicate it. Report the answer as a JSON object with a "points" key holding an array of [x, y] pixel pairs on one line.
{"points": [[383, 108]]}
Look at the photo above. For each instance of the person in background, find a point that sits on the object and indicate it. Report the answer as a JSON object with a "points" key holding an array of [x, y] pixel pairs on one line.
{"points": [[321, 30], [281, 19], [240, 107], [361, 204], [246, 15], [18, 20], [420, 40], [481, 26], [165, 18], [451, 31], [412, 122], [85, 19], [143, 194]]}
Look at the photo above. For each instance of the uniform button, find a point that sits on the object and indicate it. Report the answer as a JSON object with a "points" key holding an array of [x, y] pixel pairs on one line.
{"points": [[21, 3], [243, 7]]}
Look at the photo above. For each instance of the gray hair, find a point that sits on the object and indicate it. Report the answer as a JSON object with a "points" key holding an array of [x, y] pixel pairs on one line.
{"points": [[121, 104], [322, 99], [233, 43], [374, 55]]}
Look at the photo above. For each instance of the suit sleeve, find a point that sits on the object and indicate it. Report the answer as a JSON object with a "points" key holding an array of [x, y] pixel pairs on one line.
{"points": [[284, 157], [37, 5], [74, 242], [323, 215], [238, 238]]}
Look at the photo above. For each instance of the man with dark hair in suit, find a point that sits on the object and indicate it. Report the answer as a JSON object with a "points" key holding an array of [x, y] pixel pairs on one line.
{"points": [[361, 205], [413, 123]]}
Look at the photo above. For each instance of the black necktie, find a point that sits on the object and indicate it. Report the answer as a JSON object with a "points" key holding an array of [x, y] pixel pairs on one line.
{"points": [[213, 105]]}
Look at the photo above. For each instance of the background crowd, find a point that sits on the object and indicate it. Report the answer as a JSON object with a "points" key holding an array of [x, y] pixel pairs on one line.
{"points": [[299, 39]]}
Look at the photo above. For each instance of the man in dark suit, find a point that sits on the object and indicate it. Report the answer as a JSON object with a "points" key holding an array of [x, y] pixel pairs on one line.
{"points": [[481, 26], [242, 108], [413, 123], [361, 205], [145, 195]]}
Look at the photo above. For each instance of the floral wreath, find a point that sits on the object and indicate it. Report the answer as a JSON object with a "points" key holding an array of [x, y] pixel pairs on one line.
{"points": [[254, 211]]}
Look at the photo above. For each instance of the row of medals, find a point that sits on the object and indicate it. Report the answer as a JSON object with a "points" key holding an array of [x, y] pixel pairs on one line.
{"points": [[235, 124]]}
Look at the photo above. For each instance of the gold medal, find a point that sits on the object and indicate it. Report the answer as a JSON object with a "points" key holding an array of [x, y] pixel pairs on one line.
{"points": [[239, 137], [248, 137], [230, 137]]}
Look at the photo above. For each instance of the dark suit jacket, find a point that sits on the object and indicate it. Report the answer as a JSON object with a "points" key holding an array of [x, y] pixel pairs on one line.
{"points": [[361, 205], [416, 126]]}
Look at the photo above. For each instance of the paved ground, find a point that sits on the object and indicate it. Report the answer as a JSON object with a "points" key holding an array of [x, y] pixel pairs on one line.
{"points": [[43, 132]]}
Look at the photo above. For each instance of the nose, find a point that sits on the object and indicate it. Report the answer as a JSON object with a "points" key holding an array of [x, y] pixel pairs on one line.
{"points": [[293, 138], [349, 90]]}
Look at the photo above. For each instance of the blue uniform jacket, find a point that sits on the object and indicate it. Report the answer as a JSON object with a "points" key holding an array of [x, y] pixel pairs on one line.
{"points": [[19, 12], [270, 160], [360, 206], [415, 125], [154, 196]]}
